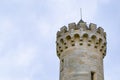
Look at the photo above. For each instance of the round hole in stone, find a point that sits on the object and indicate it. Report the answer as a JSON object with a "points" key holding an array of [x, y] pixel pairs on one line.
{"points": [[100, 50], [89, 44], [89, 40], [72, 41], [102, 46], [61, 50], [58, 54], [73, 44], [59, 47], [66, 47], [96, 42], [95, 46], [81, 43], [64, 43], [81, 40]]}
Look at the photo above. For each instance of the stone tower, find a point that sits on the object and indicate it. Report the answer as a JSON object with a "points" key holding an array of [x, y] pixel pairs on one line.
{"points": [[81, 49]]}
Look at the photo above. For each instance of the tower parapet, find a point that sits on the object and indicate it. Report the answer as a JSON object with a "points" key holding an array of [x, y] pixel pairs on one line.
{"points": [[77, 35]]}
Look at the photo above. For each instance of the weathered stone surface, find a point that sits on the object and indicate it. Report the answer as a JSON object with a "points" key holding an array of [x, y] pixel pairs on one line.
{"points": [[81, 50]]}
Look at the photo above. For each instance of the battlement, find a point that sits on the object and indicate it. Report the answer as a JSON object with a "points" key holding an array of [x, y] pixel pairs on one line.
{"points": [[81, 27], [80, 35]]}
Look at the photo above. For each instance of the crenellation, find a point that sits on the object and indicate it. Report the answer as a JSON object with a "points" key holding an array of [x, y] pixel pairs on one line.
{"points": [[72, 26], [104, 34], [73, 29], [58, 34], [82, 26], [92, 27], [63, 29], [100, 30]]}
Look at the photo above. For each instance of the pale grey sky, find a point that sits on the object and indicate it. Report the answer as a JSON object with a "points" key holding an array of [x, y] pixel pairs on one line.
{"points": [[28, 34]]}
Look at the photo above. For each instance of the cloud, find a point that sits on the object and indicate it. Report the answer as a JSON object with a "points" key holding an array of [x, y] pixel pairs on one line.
{"points": [[44, 29], [22, 56], [20, 64], [104, 1], [25, 56], [6, 24]]}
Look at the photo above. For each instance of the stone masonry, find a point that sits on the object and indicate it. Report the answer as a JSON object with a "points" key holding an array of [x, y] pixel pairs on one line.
{"points": [[81, 49]]}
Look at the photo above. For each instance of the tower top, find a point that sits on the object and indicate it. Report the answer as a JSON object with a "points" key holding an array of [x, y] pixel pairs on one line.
{"points": [[81, 21], [81, 30]]}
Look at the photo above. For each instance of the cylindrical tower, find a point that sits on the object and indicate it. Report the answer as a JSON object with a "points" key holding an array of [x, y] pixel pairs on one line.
{"points": [[81, 50]]}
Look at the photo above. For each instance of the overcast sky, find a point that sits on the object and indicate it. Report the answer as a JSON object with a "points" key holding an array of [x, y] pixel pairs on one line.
{"points": [[28, 34]]}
